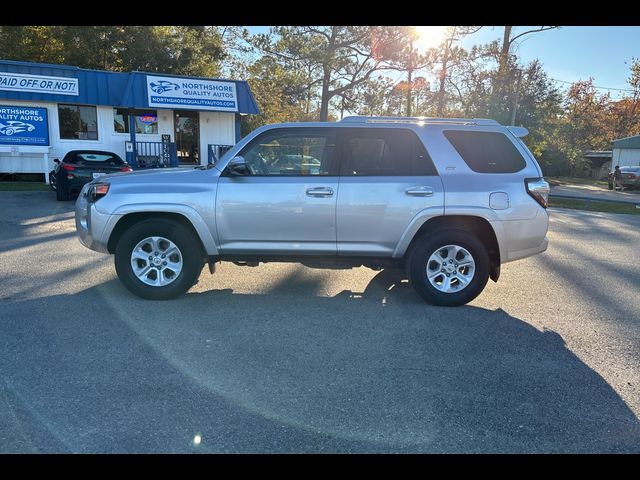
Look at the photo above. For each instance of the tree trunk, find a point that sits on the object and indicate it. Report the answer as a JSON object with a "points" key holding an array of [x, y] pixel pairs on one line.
{"points": [[324, 100], [409, 87], [504, 52], [514, 109], [410, 77], [443, 78], [443, 74]]}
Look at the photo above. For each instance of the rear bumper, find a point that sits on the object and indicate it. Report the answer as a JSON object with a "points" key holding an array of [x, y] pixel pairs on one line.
{"points": [[523, 238], [527, 252]]}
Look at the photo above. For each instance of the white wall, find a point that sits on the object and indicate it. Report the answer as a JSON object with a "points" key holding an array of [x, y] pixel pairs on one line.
{"points": [[215, 128], [218, 128], [625, 157]]}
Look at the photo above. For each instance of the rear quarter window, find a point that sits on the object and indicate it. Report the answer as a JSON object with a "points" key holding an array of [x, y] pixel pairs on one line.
{"points": [[486, 152]]}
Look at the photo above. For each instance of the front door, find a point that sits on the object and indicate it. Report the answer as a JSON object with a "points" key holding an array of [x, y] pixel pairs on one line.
{"points": [[286, 200], [187, 135]]}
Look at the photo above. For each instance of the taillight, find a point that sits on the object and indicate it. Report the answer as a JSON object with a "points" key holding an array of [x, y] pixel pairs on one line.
{"points": [[126, 168], [97, 191], [67, 167], [538, 188], [632, 175]]}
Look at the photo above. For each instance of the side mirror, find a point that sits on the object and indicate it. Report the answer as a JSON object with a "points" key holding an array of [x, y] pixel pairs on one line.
{"points": [[237, 166], [56, 160]]}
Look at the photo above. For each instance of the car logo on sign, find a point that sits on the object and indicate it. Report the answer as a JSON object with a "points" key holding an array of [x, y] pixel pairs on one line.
{"points": [[162, 86], [14, 126]]}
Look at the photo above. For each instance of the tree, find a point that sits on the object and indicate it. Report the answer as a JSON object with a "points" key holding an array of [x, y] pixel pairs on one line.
{"points": [[408, 59], [185, 50], [585, 124], [505, 58], [625, 113], [32, 43], [337, 58], [445, 54], [279, 92]]}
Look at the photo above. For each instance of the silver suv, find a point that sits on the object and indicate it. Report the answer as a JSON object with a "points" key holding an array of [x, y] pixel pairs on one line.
{"points": [[450, 200]]}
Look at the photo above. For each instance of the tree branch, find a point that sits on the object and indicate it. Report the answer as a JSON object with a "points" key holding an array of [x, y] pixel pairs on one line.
{"points": [[541, 29]]}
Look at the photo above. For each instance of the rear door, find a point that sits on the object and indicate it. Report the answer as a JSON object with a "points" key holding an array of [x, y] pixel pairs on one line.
{"points": [[386, 178]]}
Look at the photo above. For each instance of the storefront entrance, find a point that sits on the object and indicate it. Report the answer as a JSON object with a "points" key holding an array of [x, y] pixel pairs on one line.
{"points": [[187, 136]]}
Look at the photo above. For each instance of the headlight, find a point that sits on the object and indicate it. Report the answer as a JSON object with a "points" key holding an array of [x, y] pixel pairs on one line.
{"points": [[96, 191]]}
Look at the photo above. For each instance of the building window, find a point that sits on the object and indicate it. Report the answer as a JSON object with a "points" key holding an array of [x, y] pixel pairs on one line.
{"points": [[146, 120], [78, 122]]}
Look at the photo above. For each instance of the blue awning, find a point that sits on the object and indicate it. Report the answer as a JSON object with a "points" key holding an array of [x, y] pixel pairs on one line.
{"points": [[130, 90]]}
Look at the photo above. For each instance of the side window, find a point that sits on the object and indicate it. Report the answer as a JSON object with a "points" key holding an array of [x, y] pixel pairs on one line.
{"points": [[298, 152], [384, 152], [486, 152]]}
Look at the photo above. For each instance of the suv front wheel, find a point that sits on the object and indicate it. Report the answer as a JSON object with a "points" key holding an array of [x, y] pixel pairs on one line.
{"points": [[448, 267], [158, 259]]}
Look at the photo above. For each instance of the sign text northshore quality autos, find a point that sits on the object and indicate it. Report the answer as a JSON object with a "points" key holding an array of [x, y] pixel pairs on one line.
{"points": [[191, 93]]}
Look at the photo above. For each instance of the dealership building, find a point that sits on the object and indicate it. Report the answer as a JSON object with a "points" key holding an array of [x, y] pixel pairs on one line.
{"points": [[149, 119]]}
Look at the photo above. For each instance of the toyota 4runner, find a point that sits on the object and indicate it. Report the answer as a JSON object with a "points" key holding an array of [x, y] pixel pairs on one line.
{"points": [[450, 200]]}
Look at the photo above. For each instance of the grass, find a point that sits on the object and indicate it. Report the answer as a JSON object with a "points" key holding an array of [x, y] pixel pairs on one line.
{"points": [[594, 206], [576, 181], [24, 187]]}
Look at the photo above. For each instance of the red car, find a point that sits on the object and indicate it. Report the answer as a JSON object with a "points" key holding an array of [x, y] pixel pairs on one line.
{"points": [[629, 177]]}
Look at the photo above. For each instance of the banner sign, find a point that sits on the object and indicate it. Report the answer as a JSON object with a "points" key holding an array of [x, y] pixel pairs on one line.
{"points": [[20, 82], [193, 93], [23, 126]]}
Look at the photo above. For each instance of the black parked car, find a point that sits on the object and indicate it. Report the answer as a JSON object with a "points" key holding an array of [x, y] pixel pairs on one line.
{"points": [[79, 167]]}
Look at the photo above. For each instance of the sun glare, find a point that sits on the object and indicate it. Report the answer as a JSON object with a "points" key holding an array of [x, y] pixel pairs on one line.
{"points": [[429, 36]]}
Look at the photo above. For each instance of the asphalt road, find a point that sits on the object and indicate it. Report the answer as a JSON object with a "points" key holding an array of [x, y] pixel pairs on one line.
{"points": [[283, 358]]}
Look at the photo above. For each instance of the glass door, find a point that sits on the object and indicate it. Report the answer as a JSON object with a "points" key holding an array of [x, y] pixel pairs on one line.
{"points": [[187, 136]]}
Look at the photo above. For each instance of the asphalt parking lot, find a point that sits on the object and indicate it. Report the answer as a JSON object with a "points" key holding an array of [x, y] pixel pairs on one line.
{"points": [[284, 358]]}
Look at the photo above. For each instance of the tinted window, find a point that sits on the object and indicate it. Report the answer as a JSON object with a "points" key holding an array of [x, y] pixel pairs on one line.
{"points": [[384, 152], [78, 122], [486, 152], [291, 152]]}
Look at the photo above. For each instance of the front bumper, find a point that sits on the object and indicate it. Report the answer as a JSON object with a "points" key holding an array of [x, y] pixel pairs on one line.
{"points": [[91, 224]]}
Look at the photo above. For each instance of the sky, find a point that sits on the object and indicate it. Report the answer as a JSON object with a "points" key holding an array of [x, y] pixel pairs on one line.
{"points": [[576, 53], [569, 53]]}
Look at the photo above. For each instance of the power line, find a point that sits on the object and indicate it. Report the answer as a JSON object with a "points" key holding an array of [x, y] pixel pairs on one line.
{"points": [[599, 88]]}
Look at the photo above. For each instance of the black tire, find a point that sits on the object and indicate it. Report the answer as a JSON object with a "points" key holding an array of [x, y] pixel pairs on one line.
{"points": [[190, 248], [52, 180], [429, 244], [62, 194]]}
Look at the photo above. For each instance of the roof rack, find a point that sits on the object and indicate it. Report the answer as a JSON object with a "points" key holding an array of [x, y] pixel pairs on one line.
{"points": [[419, 120]]}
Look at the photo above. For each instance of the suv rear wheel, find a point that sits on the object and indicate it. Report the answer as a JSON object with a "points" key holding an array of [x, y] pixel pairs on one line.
{"points": [[158, 259], [448, 267]]}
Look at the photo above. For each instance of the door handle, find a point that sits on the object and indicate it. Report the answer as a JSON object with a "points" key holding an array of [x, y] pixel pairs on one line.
{"points": [[319, 192], [421, 191]]}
